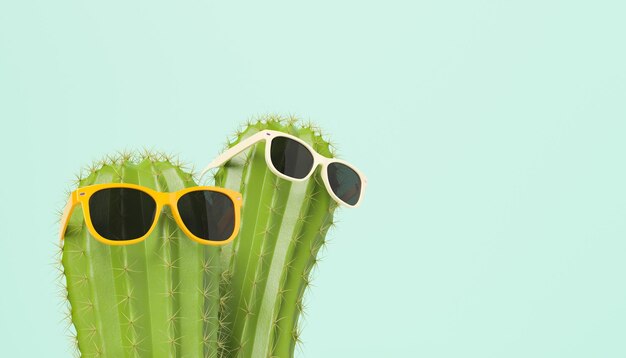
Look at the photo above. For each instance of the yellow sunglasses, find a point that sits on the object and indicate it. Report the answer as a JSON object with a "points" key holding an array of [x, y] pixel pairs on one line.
{"points": [[125, 214]]}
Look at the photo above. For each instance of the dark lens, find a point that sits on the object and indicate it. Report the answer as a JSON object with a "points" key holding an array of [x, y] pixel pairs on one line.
{"points": [[291, 158], [209, 215], [121, 214], [344, 182]]}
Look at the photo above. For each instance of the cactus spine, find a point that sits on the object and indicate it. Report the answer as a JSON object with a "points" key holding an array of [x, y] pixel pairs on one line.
{"points": [[266, 270], [157, 298]]}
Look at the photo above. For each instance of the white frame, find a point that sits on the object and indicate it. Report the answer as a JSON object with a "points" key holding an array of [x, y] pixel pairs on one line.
{"points": [[318, 159]]}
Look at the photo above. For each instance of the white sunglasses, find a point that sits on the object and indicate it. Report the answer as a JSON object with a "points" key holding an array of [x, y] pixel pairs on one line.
{"points": [[291, 158]]}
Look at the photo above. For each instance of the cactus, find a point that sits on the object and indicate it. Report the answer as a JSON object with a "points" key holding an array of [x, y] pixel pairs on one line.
{"points": [[267, 269], [156, 298]]}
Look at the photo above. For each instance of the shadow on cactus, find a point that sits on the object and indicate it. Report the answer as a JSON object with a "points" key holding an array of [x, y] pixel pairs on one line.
{"points": [[156, 298], [266, 271]]}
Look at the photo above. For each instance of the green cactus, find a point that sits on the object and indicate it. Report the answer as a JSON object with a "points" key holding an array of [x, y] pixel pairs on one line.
{"points": [[157, 298], [267, 269]]}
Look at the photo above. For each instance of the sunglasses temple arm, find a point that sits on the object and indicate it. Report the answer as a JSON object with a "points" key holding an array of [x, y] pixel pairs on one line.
{"points": [[233, 151], [67, 213]]}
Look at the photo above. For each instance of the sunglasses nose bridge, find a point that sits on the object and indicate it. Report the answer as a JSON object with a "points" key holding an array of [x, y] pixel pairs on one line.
{"points": [[170, 200], [317, 164], [165, 199]]}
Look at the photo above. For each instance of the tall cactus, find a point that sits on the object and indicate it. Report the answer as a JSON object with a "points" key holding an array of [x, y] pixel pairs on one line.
{"points": [[266, 270], [156, 298]]}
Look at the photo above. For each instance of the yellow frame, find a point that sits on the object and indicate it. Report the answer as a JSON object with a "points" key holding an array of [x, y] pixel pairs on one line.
{"points": [[81, 196]]}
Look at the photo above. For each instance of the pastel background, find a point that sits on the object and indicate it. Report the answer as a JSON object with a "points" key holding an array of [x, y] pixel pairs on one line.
{"points": [[492, 133]]}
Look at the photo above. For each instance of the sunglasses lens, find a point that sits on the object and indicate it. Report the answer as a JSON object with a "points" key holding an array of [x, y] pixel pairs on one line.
{"points": [[291, 158], [209, 215], [344, 182], [121, 214]]}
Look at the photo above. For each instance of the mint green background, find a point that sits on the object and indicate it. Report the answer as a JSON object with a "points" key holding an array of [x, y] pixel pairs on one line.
{"points": [[492, 133]]}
